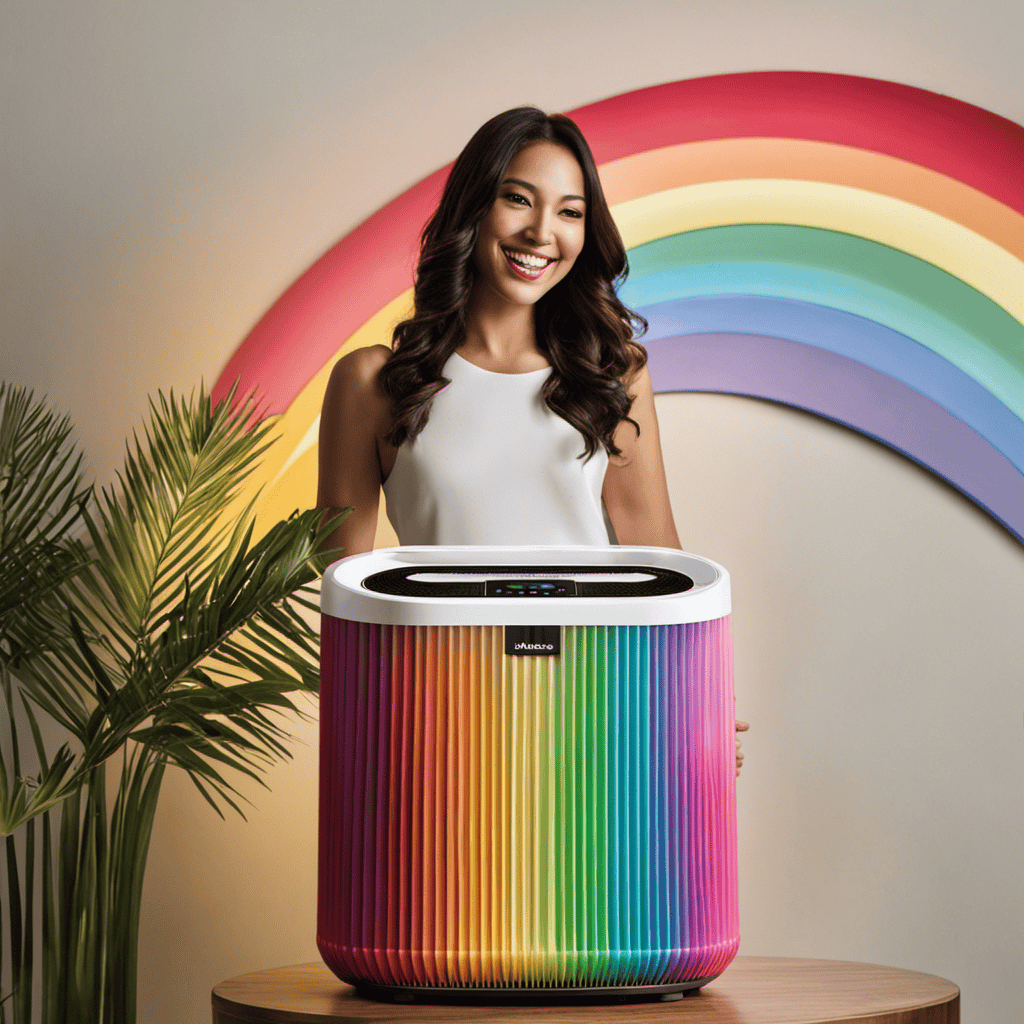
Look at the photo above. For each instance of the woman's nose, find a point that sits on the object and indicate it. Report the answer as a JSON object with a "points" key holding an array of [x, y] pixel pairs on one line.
{"points": [[539, 229]]}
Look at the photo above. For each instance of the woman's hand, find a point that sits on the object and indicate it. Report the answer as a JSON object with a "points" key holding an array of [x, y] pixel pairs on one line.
{"points": [[740, 727]]}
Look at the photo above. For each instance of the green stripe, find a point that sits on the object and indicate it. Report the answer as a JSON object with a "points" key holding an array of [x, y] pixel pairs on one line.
{"points": [[858, 275]]}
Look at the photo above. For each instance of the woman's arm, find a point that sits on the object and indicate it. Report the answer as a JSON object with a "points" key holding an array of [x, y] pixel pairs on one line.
{"points": [[635, 489], [353, 414]]}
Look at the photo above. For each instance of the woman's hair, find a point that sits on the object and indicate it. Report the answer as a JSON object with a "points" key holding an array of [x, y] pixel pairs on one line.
{"points": [[582, 328]]}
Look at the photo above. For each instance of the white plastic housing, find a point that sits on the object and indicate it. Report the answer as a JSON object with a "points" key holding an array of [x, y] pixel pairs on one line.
{"points": [[344, 596]]}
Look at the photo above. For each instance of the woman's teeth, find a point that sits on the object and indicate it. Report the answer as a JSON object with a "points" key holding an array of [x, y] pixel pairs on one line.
{"points": [[527, 261]]}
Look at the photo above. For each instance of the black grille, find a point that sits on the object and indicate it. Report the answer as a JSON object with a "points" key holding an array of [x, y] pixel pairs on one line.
{"points": [[396, 581]]}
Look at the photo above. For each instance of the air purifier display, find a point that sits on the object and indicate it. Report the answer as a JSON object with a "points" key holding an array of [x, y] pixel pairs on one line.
{"points": [[527, 777]]}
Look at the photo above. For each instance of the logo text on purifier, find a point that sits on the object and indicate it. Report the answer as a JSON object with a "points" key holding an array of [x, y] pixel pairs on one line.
{"points": [[523, 641]]}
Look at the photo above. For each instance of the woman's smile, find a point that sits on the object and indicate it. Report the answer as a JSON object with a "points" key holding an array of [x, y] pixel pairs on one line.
{"points": [[529, 266]]}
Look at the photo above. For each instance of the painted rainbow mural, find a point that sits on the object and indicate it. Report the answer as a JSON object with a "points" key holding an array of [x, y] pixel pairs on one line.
{"points": [[849, 246]]}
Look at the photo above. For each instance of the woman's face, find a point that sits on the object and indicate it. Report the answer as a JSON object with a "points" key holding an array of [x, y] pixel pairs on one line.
{"points": [[533, 232]]}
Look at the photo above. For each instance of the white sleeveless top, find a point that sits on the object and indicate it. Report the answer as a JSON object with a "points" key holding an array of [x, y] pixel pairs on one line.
{"points": [[494, 465]]}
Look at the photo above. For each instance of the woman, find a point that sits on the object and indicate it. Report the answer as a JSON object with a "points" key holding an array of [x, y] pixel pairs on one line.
{"points": [[515, 406]]}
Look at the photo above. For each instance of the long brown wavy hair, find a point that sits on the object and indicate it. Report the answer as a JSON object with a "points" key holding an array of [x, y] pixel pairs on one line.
{"points": [[582, 328]]}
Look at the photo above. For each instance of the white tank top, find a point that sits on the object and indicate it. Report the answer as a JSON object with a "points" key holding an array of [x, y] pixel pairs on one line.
{"points": [[494, 465]]}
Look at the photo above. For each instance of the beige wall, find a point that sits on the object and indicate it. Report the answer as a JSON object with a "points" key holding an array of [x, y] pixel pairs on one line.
{"points": [[175, 166]]}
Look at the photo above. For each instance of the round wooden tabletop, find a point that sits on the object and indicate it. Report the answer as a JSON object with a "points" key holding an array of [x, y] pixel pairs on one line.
{"points": [[753, 990]]}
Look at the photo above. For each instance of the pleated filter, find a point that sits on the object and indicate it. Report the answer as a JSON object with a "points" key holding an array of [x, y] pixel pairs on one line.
{"points": [[527, 775]]}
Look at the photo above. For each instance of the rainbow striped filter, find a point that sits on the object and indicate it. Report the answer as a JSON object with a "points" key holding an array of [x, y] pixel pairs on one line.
{"points": [[527, 772]]}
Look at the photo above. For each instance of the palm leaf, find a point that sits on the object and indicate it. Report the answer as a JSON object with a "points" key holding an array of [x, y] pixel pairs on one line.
{"points": [[42, 500], [185, 631], [41, 503]]}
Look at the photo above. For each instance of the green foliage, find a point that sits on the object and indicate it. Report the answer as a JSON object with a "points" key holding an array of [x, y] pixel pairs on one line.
{"points": [[146, 623], [41, 501]]}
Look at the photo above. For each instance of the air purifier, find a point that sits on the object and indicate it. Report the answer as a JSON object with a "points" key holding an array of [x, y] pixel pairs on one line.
{"points": [[527, 772]]}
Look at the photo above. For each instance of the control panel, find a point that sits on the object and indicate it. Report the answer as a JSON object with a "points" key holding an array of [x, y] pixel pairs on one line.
{"points": [[530, 588]]}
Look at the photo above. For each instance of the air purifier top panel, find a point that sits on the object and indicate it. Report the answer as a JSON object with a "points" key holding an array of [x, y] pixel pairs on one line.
{"points": [[482, 585]]}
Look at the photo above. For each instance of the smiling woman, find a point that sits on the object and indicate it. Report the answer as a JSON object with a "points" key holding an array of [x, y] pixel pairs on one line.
{"points": [[514, 405]]}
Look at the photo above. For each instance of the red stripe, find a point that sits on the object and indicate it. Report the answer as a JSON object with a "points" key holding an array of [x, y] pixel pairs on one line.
{"points": [[957, 139], [375, 262]]}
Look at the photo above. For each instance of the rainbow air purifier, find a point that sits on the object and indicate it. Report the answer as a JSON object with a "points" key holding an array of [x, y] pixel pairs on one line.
{"points": [[527, 772]]}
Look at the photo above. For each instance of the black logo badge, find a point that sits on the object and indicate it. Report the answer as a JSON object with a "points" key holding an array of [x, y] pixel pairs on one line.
{"points": [[538, 640]]}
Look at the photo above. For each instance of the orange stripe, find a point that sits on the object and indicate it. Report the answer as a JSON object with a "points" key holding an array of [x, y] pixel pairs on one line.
{"points": [[692, 163]]}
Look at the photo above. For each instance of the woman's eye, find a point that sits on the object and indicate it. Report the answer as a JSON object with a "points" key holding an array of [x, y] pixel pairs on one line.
{"points": [[575, 214], [515, 197]]}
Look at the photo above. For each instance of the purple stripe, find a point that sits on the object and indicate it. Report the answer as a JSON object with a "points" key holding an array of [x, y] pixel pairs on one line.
{"points": [[850, 393]]}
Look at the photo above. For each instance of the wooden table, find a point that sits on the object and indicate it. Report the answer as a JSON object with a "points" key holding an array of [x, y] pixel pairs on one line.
{"points": [[753, 990]]}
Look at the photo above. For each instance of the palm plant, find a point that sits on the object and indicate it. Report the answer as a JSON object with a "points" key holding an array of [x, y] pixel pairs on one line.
{"points": [[146, 623]]}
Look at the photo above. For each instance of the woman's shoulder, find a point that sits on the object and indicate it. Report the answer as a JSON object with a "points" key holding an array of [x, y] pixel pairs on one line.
{"points": [[355, 373], [353, 382], [361, 366], [637, 380]]}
